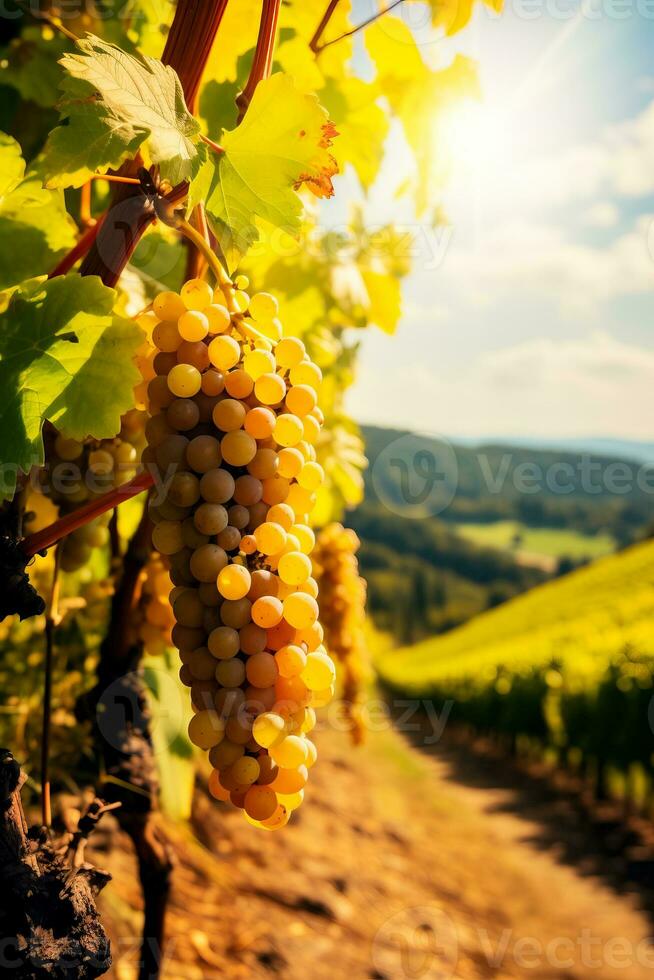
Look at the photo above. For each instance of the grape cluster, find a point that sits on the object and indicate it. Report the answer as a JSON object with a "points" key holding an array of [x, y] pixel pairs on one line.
{"points": [[153, 618], [79, 471], [234, 418], [343, 612]]}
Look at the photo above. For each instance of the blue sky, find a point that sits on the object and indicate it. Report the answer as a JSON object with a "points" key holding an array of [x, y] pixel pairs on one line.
{"points": [[537, 318]]}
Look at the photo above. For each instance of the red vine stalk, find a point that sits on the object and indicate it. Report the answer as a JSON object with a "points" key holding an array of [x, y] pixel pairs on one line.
{"points": [[320, 30], [78, 251], [51, 535], [263, 55]]}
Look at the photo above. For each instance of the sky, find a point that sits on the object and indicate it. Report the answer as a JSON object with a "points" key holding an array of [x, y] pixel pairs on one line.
{"points": [[533, 314]]}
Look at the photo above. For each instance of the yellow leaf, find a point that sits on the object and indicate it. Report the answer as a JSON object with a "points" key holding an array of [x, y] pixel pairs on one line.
{"points": [[420, 97], [384, 299], [297, 59], [237, 34], [362, 125]]}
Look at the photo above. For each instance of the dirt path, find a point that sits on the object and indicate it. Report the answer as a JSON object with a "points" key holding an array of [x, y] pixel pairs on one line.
{"points": [[402, 866]]}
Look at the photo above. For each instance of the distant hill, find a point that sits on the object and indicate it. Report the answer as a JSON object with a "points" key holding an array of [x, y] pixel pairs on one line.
{"points": [[580, 622], [540, 487], [630, 449], [449, 531]]}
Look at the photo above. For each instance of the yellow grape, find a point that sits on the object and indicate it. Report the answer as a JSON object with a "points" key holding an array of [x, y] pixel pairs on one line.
{"points": [[245, 770], [206, 729], [270, 537], [184, 381], [291, 462], [263, 306], [260, 802], [270, 389], [216, 789], [267, 612], [294, 568], [234, 582], [238, 448], [268, 729], [283, 515], [291, 660], [311, 476], [319, 671], [300, 610], [260, 422], [289, 781], [290, 752], [288, 430], [311, 429], [301, 399], [289, 352], [168, 306], [218, 318], [193, 326], [306, 373], [229, 415], [196, 294], [259, 362], [224, 352]]}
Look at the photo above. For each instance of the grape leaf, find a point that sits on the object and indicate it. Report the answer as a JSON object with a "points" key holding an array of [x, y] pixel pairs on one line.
{"points": [[65, 357], [35, 229], [113, 104], [453, 15], [281, 146], [362, 125], [29, 64], [12, 166], [303, 19]]}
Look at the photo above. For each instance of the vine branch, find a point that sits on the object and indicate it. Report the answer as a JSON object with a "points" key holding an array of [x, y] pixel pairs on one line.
{"points": [[320, 30], [52, 620], [263, 55], [359, 27], [51, 535]]}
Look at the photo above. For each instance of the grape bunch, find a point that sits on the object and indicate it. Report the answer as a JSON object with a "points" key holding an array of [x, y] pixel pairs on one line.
{"points": [[234, 419], [153, 619], [343, 612], [76, 472]]}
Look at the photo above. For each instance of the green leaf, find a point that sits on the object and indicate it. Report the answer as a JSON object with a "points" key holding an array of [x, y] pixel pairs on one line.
{"points": [[64, 357], [29, 64], [35, 229], [264, 165], [12, 165], [114, 104]]}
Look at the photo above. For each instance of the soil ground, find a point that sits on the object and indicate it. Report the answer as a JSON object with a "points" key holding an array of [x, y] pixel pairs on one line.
{"points": [[405, 864]]}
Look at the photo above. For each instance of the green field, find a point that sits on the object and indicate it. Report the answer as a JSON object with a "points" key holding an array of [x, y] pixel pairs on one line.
{"points": [[569, 665], [546, 541]]}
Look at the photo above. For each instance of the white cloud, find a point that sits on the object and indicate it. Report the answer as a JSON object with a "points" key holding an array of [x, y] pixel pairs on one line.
{"points": [[541, 260], [594, 386], [602, 214]]}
